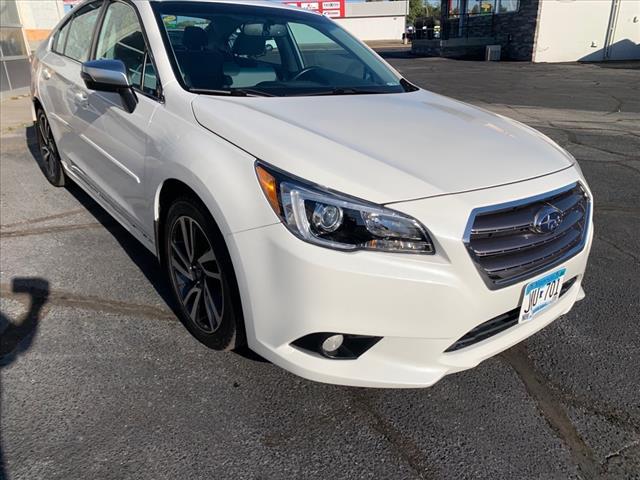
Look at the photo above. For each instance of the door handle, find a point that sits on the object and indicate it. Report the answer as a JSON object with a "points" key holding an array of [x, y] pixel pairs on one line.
{"points": [[46, 74], [81, 99]]}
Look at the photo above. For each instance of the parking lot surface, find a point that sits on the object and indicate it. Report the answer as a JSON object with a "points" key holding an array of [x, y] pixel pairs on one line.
{"points": [[99, 380]]}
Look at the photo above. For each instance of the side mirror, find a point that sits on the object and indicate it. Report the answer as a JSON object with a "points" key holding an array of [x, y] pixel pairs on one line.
{"points": [[110, 76]]}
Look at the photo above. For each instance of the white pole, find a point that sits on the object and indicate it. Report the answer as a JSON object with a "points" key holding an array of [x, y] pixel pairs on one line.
{"points": [[405, 40]]}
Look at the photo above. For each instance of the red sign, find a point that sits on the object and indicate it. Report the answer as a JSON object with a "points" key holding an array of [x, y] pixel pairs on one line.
{"points": [[69, 4], [333, 9]]}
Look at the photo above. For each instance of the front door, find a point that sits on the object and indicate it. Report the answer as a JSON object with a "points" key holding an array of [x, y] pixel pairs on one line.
{"points": [[121, 137]]}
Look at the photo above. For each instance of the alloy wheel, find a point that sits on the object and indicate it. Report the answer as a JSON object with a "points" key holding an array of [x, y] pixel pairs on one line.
{"points": [[47, 146], [196, 274]]}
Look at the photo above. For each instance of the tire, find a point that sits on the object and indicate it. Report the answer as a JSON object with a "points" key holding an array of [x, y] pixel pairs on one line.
{"points": [[50, 158], [201, 276]]}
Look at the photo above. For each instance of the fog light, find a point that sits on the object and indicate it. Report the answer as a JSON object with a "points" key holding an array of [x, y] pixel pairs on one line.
{"points": [[336, 346], [332, 343]]}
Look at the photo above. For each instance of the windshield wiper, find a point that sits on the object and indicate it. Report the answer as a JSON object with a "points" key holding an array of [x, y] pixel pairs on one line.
{"points": [[232, 92], [339, 91]]}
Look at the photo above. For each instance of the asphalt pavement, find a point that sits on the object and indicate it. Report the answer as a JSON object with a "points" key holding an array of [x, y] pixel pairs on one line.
{"points": [[99, 380]]}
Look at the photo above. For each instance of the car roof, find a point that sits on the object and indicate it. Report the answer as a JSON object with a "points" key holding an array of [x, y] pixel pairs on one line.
{"points": [[256, 3]]}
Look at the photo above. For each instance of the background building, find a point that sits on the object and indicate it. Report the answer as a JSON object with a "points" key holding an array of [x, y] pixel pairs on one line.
{"points": [[538, 30], [14, 60], [23, 25], [375, 20]]}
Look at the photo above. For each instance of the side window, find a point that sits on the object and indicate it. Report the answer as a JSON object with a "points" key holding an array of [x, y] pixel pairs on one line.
{"points": [[121, 38], [150, 81], [60, 38], [271, 53], [78, 45]]}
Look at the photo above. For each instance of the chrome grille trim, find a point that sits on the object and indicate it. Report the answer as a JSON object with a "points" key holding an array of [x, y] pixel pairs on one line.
{"points": [[504, 246]]}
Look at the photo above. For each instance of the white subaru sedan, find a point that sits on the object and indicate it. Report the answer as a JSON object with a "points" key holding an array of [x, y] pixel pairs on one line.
{"points": [[276, 167]]}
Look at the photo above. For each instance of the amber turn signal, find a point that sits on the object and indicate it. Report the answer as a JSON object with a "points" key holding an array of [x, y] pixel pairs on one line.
{"points": [[268, 184]]}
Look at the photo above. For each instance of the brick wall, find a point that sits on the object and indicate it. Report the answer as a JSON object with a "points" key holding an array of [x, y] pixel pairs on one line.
{"points": [[516, 31]]}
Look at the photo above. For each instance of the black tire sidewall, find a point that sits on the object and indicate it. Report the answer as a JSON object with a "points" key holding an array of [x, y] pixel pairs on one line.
{"points": [[230, 333], [57, 177]]}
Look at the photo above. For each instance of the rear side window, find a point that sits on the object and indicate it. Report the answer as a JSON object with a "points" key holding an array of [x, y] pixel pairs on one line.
{"points": [[78, 45], [121, 38], [60, 38]]}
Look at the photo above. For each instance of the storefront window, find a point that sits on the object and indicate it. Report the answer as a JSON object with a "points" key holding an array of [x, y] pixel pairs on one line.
{"points": [[485, 7], [14, 63], [12, 42], [508, 6], [454, 7], [480, 7]]}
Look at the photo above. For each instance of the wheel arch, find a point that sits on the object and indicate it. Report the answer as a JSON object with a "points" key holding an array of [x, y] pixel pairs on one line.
{"points": [[36, 105], [167, 192]]}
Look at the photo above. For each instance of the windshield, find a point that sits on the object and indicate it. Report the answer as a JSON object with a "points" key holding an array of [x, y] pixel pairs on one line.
{"points": [[224, 48]]}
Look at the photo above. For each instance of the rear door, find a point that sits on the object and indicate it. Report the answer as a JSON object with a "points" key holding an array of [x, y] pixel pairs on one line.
{"points": [[63, 93], [118, 166]]}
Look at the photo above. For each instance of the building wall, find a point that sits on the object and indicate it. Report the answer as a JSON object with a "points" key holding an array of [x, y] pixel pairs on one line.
{"points": [[577, 30], [375, 20], [516, 32], [38, 19], [374, 28], [467, 36], [625, 44], [14, 60]]}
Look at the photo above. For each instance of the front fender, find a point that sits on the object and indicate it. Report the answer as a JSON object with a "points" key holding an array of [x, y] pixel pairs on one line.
{"points": [[221, 174]]}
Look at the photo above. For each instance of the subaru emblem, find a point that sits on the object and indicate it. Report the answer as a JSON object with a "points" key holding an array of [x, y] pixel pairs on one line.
{"points": [[547, 219]]}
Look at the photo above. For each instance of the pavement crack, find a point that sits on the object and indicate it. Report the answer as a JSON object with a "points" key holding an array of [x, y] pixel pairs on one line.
{"points": [[552, 411], [404, 447], [624, 251], [618, 107], [605, 208], [575, 141], [47, 218], [630, 167], [611, 414], [46, 230], [621, 450], [572, 137], [90, 302]]}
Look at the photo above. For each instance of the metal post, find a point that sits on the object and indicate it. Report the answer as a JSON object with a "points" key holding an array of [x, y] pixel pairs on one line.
{"points": [[611, 29], [444, 15], [405, 40]]}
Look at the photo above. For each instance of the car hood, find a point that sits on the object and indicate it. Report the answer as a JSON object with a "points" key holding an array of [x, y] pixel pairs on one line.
{"points": [[383, 147]]}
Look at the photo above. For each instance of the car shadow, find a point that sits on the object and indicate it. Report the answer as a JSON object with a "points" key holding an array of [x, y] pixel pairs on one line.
{"points": [[16, 335], [139, 255], [143, 258]]}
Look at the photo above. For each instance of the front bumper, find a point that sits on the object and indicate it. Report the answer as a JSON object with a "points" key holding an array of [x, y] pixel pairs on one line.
{"points": [[419, 304]]}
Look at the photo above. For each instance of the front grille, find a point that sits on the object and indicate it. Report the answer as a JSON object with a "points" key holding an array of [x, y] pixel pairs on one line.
{"points": [[497, 324], [506, 246]]}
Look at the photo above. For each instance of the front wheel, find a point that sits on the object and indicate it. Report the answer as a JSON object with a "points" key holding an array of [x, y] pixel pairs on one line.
{"points": [[201, 276], [51, 165]]}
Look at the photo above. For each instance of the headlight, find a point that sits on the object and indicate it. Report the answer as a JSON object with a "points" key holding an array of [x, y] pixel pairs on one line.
{"points": [[334, 220]]}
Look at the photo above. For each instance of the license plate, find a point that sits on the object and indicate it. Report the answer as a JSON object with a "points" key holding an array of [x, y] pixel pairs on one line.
{"points": [[540, 294]]}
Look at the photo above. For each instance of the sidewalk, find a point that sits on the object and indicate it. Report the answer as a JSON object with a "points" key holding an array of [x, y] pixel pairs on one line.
{"points": [[388, 45], [15, 115]]}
